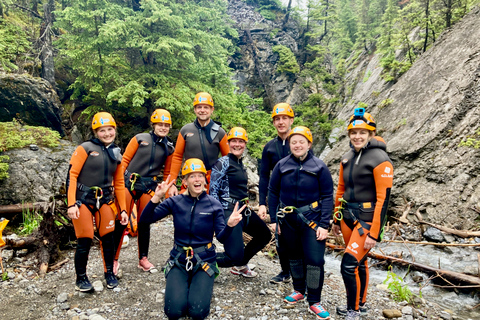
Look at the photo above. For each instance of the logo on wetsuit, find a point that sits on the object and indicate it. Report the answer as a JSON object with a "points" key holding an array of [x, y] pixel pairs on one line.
{"points": [[94, 154], [111, 224], [387, 171], [144, 143]]}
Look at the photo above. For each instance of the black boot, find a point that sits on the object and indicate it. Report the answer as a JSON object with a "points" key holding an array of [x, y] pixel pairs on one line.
{"points": [[81, 258], [108, 254]]}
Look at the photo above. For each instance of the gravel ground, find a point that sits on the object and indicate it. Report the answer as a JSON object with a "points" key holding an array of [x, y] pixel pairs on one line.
{"points": [[140, 294]]}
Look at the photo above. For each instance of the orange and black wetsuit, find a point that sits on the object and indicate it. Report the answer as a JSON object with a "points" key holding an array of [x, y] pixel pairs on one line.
{"points": [[95, 179], [144, 158], [204, 143], [365, 181]]}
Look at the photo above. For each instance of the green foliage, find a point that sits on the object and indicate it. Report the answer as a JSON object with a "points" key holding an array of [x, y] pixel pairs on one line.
{"points": [[385, 103], [5, 276], [14, 135], [31, 222], [273, 33], [367, 76], [362, 105], [287, 61], [14, 44], [398, 289], [269, 9], [471, 142], [4, 167]]}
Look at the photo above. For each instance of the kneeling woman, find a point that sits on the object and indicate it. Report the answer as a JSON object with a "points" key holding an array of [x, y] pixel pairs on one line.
{"points": [[228, 184], [301, 192], [196, 217]]}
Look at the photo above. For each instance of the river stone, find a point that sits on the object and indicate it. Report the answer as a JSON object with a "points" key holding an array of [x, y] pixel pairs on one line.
{"points": [[62, 297], [445, 315], [98, 286], [407, 310], [433, 234], [391, 313], [96, 317], [472, 270]]}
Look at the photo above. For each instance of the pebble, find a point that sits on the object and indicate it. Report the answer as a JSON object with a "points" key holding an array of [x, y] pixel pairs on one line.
{"points": [[407, 310], [391, 313], [445, 315], [98, 286], [62, 297], [96, 317]]}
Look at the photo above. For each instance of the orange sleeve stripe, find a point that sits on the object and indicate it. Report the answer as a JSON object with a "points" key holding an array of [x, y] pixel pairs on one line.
{"points": [[130, 151], [167, 167], [383, 175], [76, 164], [340, 188], [224, 148], [177, 157], [119, 187]]}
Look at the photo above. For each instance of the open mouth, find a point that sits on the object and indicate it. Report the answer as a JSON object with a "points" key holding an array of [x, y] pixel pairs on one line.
{"points": [[197, 185]]}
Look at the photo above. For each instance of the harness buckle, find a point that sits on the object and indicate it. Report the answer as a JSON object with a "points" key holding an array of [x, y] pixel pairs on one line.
{"points": [[98, 195], [189, 255]]}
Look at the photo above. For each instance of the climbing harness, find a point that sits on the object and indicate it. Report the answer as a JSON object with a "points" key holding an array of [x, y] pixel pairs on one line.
{"points": [[136, 182], [190, 253], [284, 210]]}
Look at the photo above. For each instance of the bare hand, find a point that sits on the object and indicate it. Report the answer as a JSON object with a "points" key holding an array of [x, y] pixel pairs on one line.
{"points": [[173, 191], [162, 189], [236, 216], [73, 212], [369, 243], [336, 230], [262, 212], [322, 234], [124, 216], [273, 227]]}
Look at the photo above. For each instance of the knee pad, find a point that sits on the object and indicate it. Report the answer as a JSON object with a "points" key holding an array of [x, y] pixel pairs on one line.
{"points": [[349, 265], [314, 274], [296, 268]]}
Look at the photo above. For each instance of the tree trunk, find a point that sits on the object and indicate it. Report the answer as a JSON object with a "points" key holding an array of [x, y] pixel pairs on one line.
{"points": [[46, 54], [287, 15]]}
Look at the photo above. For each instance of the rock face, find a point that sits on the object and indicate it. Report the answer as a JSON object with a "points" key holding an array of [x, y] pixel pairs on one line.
{"points": [[432, 108], [35, 175], [33, 99], [255, 66]]}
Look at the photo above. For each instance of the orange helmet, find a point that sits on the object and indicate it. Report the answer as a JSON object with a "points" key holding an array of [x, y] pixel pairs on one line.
{"points": [[161, 115], [282, 109], [101, 119], [238, 133], [304, 131], [361, 120], [193, 165], [203, 98]]}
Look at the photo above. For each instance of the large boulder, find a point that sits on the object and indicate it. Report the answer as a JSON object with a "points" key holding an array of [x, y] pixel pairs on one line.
{"points": [[33, 100], [35, 175]]}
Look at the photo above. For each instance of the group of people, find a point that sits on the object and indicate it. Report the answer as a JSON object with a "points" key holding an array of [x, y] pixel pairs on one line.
{"points": [[296, 201]]}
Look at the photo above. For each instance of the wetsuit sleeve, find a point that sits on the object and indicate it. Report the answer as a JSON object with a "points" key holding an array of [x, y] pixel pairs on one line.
{"points": [[264, 177], [119, 187], [222, 230], [325, 184], [274, 193], [383, 175], [167, 170], [177, 156], [224, 148], [340, 192], [154, 212], [130, 151], [217, 175], [76, 164]]}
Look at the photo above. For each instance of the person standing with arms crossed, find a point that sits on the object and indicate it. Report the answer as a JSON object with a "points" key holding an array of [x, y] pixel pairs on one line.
{"points": [[364, 185], [202, 139], [274, 150], [145, 156], [95, 179]]}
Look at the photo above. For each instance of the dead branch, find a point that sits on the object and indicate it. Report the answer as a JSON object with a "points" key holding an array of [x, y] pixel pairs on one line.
{"points": [[436, 244], [460, 233], [58, 265], [403, 218], [35, 14]]}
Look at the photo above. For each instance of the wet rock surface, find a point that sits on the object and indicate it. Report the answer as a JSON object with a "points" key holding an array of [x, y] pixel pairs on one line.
{"points": [[141, 294]]}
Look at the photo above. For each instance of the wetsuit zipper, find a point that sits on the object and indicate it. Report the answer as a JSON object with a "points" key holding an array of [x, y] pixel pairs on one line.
{"points": [[105, 165], [191, 220], [350, 180]]}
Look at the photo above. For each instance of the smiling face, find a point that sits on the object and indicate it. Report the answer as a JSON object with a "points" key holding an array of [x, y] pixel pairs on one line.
{"points": [[161, 129], [203, 112], [106, 134], [237, 147], [282, 123], [195, 183], [299, 146], [359, 138]]}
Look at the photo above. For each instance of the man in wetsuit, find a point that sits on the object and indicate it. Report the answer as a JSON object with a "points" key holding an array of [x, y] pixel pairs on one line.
{"points": [[203, 139]]}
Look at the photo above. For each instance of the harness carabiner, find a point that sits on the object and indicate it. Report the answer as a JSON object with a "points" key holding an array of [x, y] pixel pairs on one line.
{"points": [[189, 255], [338, 214], [97, 195], [133, 180], [283, 211]]}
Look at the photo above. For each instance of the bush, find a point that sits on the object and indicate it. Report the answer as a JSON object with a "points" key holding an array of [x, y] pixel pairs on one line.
{"points": [[287, 61]]}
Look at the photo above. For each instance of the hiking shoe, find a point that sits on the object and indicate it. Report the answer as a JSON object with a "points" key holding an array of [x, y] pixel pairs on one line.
{"points": [[319, 311], [83, 284], [243, 271], [352, 315], [145, 265], [111, 280], [282, 277], [294, 297], [116, 267], [342, 310]]}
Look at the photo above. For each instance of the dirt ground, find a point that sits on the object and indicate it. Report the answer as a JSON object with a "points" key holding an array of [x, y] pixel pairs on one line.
{"points": [[140, 294]]}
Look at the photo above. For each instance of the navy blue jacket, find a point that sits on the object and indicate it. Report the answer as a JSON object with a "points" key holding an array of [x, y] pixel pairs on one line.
{"points": [[299, 183], [195, 219]]}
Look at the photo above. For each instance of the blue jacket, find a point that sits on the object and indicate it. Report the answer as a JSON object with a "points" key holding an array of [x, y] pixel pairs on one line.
{"points": [[299, 183], [195, 219]]}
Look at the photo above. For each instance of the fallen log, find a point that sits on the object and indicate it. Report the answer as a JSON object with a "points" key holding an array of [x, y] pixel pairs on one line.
{"points": [[19, 207], [460, 233], [447, 274]]}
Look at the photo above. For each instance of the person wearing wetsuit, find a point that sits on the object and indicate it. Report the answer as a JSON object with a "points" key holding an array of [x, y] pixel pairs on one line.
{"points": [[203, 139], [95, 179], [301, 195], [144, 158], [229, 186], [364, 185], [274, 150], [191, 270]]}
